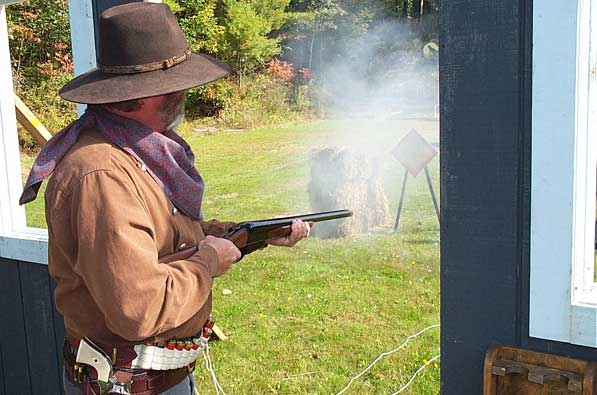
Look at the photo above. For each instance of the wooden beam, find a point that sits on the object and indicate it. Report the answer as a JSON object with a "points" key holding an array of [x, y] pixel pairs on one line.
{"points": [[31, 123], [219, 333]]}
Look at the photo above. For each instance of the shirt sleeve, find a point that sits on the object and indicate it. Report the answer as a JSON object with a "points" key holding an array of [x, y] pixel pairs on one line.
{"points": [[216, 228], [117, 258]]}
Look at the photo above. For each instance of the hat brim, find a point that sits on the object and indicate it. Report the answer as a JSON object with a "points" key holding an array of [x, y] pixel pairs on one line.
{"points": [[97, 87]]}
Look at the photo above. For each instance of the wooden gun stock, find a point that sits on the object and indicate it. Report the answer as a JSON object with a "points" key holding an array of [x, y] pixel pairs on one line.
{"points": [[252, 236]]}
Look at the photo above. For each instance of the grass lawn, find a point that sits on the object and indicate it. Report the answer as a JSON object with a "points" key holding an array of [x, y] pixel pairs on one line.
{"points": [[305, 320]]}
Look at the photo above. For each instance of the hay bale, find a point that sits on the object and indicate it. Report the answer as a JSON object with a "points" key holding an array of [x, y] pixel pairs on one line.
{"points": [[345, 179]]}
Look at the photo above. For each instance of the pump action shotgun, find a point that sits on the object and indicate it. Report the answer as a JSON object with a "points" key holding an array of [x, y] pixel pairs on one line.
{"points": [[251, 236]]}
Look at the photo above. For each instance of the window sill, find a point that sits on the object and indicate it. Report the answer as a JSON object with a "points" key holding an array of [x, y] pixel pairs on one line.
{"points": [[28, 245]]}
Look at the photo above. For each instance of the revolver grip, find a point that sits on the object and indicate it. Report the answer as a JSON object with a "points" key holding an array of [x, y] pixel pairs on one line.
{"points": [[90, 354]]}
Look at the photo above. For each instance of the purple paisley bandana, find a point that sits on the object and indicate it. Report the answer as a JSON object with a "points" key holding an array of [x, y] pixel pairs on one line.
{"points": [[167, 157]]}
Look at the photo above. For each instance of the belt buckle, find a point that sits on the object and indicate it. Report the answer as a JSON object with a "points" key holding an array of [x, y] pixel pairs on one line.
{"points": [[123, 382], [121, 388]]}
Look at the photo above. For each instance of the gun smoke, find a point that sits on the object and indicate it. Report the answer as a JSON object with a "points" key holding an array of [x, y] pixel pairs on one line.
{"points": [[375, 91]]}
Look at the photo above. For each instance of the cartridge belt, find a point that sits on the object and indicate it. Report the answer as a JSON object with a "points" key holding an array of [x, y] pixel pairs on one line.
{"points": [[149, 368], [173, 354], [143, 382]]}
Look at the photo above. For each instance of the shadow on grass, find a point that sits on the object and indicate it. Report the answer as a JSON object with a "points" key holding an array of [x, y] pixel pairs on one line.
{"points": [[422, 242]]}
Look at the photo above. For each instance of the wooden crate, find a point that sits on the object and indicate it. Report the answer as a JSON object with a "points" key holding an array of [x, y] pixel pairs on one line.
{"points": [[514, 371]]}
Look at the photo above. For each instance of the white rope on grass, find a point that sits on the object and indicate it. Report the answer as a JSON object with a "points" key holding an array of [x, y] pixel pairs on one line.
{"points": [[209, 366], [400, 347], [220, 390], [405, 386], [212, 372]]}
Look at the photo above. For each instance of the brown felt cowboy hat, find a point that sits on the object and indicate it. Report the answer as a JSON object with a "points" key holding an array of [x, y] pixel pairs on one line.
{"points": [[142, 52]]}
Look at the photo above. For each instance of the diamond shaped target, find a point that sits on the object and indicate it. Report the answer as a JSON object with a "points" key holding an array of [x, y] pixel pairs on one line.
{"points": [[414, 152]]}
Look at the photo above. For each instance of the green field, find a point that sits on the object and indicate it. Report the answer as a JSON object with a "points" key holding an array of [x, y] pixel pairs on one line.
{"points": [[307, 319]]}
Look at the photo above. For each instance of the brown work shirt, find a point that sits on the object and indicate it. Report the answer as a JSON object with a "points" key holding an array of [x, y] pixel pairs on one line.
{"points": [[108, 224]]}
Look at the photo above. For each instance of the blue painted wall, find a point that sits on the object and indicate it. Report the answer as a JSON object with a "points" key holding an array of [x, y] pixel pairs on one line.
{"points": [[32, 331], [485, 141]]}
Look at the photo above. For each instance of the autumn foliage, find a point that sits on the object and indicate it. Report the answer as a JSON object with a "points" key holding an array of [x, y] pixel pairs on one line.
{"points": [[280, 70], [39, 36]]}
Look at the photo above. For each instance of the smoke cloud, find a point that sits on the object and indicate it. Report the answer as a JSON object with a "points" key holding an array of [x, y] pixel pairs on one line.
{"points": [[376, 89], [383, 73]]}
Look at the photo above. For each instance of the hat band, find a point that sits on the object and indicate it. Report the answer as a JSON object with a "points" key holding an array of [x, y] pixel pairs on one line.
{"points": [[142, 68]]}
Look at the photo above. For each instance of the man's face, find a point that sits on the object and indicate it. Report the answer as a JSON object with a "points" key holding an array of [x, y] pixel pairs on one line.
{"points": [[172, 109]]}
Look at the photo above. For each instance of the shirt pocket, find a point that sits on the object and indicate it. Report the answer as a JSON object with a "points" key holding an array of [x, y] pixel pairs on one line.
{"points": [[189, 231]]}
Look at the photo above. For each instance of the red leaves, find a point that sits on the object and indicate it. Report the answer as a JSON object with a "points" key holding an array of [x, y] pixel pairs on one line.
{"points": [[60, 46], [25, 32], [304, 75], [65, 60], [284, 71], [280, 70], [61, 63], [29, 14]]}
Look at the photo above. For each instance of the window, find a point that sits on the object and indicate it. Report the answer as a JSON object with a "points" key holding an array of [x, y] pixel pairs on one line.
{"points": [[563, 292], [584, 288], [17, 241]]}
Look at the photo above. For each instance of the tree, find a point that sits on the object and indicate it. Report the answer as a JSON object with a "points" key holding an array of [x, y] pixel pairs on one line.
{"points": [[198, 20], [313, 19], [274, 11], [39, 40], [410, 9], [248, 28]]}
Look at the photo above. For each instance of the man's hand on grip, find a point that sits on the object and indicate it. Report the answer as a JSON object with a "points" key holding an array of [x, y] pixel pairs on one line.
{"points": [[227, 252]]}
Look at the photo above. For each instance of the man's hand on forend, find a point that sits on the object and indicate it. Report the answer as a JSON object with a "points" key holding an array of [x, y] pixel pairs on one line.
{"points": [[299, 230]]}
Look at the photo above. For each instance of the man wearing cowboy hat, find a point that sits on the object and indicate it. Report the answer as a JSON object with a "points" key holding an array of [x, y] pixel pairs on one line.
{"points": [[123, 193]]}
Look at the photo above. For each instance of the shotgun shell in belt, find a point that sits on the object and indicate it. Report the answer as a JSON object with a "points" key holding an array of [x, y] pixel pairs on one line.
{"points": [[168, 360], [144, 358], [171, 345], [188, 349], [196, 343], [177, 355], [159, 355]]}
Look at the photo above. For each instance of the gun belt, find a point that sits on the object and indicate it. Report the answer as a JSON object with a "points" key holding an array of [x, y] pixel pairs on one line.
{"points": [[149, 382]]}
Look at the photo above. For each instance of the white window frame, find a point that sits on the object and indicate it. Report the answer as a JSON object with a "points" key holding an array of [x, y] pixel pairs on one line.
{"points": [[563, 294], [17, 240]]}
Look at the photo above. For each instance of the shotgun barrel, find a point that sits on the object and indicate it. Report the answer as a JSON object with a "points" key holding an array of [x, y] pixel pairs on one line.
{"points": [[251, 236], [262, 230]]}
